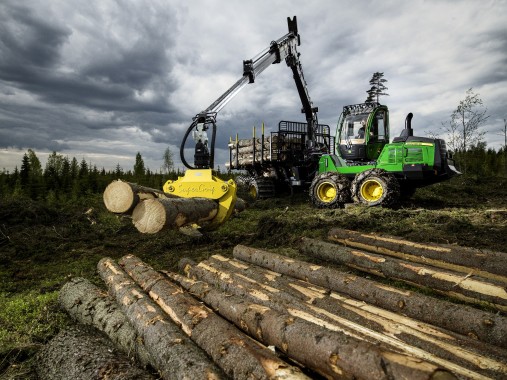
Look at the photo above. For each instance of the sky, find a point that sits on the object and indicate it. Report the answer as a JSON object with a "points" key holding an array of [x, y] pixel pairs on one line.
{"points": [[103, 80]]}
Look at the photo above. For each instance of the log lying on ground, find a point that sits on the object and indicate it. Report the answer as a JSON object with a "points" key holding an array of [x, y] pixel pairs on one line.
{"points": [[484, 263], [89, 305], [237, 354], [154, 215], [121, 197], [174, 354], [465, 320], [333, 354], [430, 345], [474, 290], [82, 353]]}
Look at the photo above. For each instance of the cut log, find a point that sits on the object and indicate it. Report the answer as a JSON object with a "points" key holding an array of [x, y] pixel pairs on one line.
{"points": [[174, 354], [332, 354], [465, 320], [463, 287], [154, 215], [428, 344], [236, 353], [483, 263], [89, 305], [82, 353], [121, 197]]}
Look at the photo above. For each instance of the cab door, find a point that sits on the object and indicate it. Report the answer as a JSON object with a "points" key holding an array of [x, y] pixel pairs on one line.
{"points": [[378, 132]]}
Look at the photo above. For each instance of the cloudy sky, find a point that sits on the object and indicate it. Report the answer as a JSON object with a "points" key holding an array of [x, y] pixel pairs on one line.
{"points": [[103, 80]]}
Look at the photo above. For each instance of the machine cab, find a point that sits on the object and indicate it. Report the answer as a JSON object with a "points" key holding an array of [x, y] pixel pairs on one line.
{"points": [[363, 130]]}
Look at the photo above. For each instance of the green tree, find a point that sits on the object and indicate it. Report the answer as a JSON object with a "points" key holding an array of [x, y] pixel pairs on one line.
{"points": [[377, 88], [139, 169], [463, 129], [168, 159], [24, 173], [53, 171], [35, 166]]}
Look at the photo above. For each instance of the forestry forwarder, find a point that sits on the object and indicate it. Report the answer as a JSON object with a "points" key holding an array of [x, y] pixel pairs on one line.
{"points": [[367, 168]]}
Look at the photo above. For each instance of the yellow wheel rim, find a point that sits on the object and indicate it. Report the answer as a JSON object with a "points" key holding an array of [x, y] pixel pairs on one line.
{"points": [[252, 191], [371, 190], [326, 192]]}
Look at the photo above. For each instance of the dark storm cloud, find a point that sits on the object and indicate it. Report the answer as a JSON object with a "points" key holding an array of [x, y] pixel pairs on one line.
{"points": [[133, 78]]}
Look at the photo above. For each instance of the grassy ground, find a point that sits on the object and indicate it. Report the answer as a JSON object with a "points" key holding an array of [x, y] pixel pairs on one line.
{"points": [[42, 246]]}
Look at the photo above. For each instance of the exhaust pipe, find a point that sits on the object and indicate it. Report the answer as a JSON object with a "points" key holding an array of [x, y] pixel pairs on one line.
{"points": [[408, 125]]}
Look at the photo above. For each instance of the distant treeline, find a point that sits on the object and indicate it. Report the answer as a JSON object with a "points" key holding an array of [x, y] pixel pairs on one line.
{"points": [[65, 179]]}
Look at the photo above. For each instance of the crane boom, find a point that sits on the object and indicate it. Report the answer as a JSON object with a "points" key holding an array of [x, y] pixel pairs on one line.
{"points": [[282, 49]]}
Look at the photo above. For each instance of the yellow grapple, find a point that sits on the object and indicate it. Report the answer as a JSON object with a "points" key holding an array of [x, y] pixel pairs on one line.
{"points": [[201, 183]]}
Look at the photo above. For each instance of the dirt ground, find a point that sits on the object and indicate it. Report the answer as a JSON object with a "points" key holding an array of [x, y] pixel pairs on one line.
{"points": [[42, 246]]}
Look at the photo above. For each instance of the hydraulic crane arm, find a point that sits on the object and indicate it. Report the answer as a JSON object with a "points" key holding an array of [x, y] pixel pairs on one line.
{"points": [[282, 49]]}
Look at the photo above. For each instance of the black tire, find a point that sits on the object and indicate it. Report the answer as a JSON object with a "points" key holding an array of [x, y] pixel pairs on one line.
{"points": [[330, 190], [375, 187], [243, 183], [262, 188]]}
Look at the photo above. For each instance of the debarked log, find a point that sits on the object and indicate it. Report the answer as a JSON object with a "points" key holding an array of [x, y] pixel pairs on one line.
{"points": [[332, 354], [483, 263], [462, 355], [89, 305], [236, 353], [121, 197], [454, 284], [83, 353], [174, 354], [465, 320], [154, 215]]}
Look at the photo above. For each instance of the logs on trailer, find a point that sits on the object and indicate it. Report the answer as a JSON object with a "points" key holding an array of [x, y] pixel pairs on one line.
{"points": [[465, 320], [464, 287], [484, 263], [82, 353], [154, 215], [89, 305], [236, 353], [332, 354], [121, 197], [174, 354], [426, 343]]}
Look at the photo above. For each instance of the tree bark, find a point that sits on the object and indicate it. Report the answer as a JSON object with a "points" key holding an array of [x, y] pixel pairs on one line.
{"points": [[82, 353], [154, 215], [121, 197], [237, 354], [174, 354], [332, 354], [474, 290], [89, 305], [430, 345], [465, 320], [484, 263]]}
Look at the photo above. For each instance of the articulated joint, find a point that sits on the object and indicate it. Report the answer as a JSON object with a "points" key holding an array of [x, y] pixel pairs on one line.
{"points": [[201, 183]]}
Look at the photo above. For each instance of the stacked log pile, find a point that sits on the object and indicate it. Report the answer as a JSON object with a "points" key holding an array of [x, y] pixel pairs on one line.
{"points": [[246, 152], [262, 315]]}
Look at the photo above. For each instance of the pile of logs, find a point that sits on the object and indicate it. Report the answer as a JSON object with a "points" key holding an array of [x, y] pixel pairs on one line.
{"points": [[246, 152], [262, 315], [153, 210]]}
